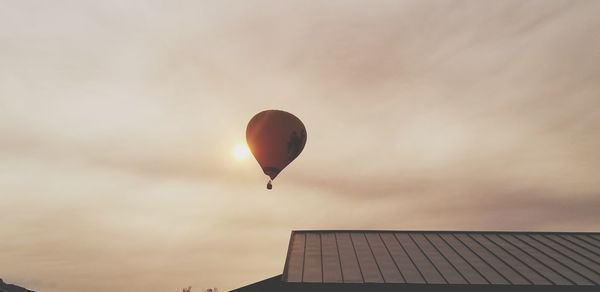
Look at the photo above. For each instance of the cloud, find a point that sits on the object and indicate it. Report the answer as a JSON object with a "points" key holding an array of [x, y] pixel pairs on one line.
{"points": [[116, 121]]}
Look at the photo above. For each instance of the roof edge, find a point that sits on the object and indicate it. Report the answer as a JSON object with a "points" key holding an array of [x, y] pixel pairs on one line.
{"points": [[442, 231], [287, 257]]}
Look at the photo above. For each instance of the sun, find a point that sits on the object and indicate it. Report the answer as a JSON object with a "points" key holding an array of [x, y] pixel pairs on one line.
{"points": [[240, 152]]}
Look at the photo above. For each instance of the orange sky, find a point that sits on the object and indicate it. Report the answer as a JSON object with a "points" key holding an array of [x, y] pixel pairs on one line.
{"points": [[117, 120]]}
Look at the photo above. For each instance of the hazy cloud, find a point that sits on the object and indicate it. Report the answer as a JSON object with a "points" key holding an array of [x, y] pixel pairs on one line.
{"points": [[117, 119]]}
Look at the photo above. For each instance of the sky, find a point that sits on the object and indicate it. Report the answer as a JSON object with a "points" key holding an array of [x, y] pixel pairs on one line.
{"points": [[118, 120]]}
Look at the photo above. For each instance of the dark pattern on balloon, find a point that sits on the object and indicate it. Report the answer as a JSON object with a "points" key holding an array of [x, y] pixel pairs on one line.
{"points": [[295, 144]]}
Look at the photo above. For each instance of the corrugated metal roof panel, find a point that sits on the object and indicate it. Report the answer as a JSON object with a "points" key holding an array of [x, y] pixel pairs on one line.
{"points": [[294, 264], [312, 259], [510, 260], [366, 260], [389, 270], [582, 243], [577, 249], [332, 271], [491, 275], [557, 267], [448, 272], [507, 272], [350, 269], [427, 269], [462, 266], [595, 237], [529, 261], [426, 257], [404, 263]]}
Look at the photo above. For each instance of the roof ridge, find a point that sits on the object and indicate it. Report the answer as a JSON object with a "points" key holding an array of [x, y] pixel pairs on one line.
{"points": [[444, 231]]}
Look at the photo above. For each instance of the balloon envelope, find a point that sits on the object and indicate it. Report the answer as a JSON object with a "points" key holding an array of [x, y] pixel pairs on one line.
{"points": [[275, 138]]}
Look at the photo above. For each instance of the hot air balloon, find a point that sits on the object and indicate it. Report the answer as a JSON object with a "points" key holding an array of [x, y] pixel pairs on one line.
{"points": [[275, 138]]}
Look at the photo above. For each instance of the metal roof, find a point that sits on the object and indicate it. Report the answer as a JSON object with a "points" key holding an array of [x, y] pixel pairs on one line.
{"points": [[445, 257]]}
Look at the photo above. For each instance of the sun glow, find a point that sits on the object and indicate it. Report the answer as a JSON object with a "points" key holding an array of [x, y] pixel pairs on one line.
{"points": [[240, 152]]}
